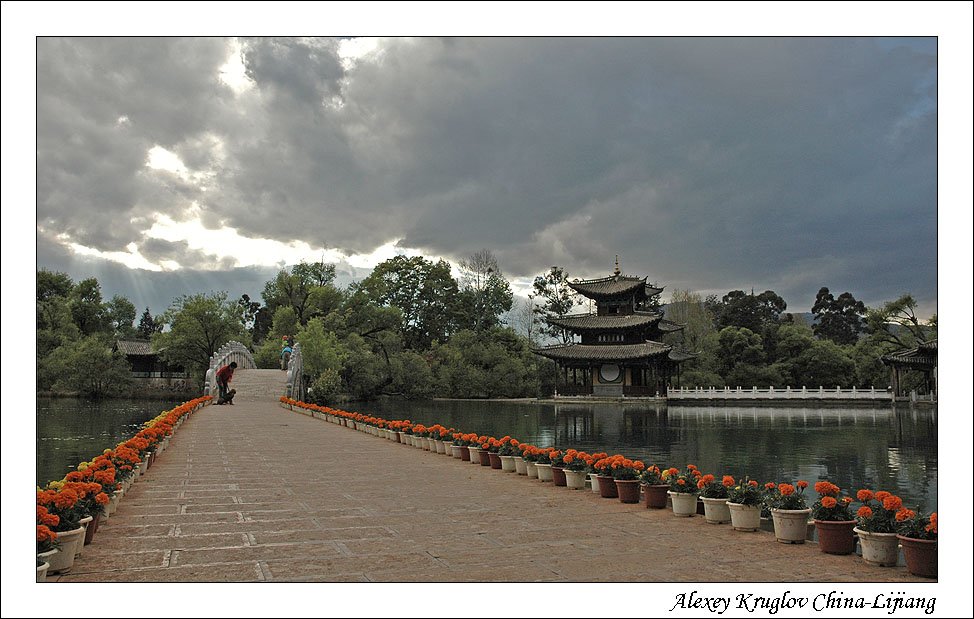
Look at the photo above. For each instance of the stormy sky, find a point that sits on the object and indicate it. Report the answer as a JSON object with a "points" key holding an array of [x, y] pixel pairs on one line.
{"points": [[179, 165]]}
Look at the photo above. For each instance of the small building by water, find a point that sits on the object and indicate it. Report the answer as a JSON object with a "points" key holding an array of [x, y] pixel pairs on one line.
{"points": [[150, 372], [621, 352], [922, 359]]}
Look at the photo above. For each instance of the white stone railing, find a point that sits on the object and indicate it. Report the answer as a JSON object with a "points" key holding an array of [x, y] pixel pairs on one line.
{"points": [[729, 393], [229, 352], [295, 387]]}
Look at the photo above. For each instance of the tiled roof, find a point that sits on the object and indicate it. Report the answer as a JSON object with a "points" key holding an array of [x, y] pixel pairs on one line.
{"points": [[608, 286], [680, 355], [137, 348], [593, 322], [668, 326], [923, 356], [606, 352]]}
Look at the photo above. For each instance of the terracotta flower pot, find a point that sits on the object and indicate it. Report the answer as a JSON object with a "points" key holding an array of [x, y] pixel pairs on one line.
{"points": [[485, 457], [920, 555], [835, 537], [655, 496], [495, 460], [464, 453], [558, 475], [628, 490], [91, 529], [607, 487]]}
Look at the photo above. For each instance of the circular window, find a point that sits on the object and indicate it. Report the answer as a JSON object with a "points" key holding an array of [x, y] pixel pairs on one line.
{"points": [[609, 373]]}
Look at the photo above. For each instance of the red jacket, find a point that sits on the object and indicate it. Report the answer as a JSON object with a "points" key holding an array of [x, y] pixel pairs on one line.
{"points": [[225, 373]]}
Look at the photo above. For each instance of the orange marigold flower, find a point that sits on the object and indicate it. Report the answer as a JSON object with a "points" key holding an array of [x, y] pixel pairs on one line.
{"points": [[701, 484], [892, 503], [101, 498], [864, 512], [690, 467], [752, 483], [881, 495], [802, 484], [829, 502], [864, 495], [673, 471], [681, 482], [66, 498], [45, 534], [638, 465], [904, 514], [770, 485], [706, 479], [786, 489], [728, 481]]}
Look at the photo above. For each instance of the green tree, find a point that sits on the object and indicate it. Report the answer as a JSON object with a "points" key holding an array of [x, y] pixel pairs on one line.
{"points": [[86, 306], [52, 284], [198, 326], [804, 361], [484, 293], [556, 299], [756, 313], [307, 288], [411, 376], [425, 292], [897, 324], [120, 313], [89, 367], [320, 349], [839, 319], [698, 336], [148, 325]]}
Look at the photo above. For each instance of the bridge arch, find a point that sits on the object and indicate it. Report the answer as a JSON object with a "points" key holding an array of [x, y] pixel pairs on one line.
{"points": [[229, 352]]}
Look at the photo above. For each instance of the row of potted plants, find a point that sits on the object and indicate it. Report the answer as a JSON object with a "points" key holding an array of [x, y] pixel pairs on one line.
{"points": [[69, 510], [881, 524]]}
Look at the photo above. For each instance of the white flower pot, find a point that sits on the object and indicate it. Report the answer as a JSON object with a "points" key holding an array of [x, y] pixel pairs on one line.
{"points": [[790, 525], [881, 549], [684, 503], [745, 517], [716, 510], [544, 472]]}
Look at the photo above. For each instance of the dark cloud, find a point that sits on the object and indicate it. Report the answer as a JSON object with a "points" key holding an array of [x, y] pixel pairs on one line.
{"points": [[709, 164]]}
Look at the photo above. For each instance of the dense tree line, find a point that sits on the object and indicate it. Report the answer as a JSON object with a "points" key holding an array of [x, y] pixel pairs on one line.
{"points": [[414, 330], [748, 340]]}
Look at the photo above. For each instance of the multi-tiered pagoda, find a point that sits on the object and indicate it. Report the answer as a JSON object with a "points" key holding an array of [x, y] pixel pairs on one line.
{"points": [[621, 352]]}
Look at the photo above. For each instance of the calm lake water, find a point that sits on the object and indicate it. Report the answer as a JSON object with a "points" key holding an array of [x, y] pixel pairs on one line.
{"points": [[876, 448], [71, 430]]}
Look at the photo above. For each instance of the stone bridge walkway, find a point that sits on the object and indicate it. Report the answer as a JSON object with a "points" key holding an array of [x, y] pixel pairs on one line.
{"points": [[256, 492]]}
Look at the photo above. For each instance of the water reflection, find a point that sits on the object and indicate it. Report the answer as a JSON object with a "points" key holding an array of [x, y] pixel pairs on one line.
{"points": [[71, 430], [878, 448]]}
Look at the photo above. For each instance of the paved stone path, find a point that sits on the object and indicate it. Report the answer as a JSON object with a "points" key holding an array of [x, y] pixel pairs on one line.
{"points": [[256, 492]]}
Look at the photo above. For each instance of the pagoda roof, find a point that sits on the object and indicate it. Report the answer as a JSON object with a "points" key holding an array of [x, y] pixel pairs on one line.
{"points": [[668, 326], [604, 352], [594, 322], [924, 356], [613, 286], [681, 355]]}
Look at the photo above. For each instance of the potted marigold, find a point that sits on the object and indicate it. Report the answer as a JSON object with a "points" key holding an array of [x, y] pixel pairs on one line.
{"points": [[543, 464], [530, 454], [789, 511], [558, 467], [576, 469], [607, 485], [654, 488], [918, 534], [625, 474], [834, 522], [877, 527], [593, 473], [745, 500], [507, 452], [714, 495], [47, 541], [683, 490], [62, 500]]}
